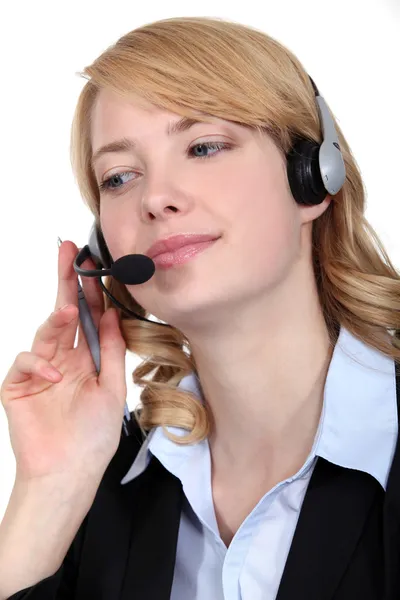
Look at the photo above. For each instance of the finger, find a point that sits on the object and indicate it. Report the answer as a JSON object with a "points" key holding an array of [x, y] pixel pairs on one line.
{"points": [[94, 297], [67, 292], [25, 366], [112, 355], [68, 289], [57, 333], [93, 292]]}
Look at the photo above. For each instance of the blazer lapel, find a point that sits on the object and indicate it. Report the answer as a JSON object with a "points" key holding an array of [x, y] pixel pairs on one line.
{"points": [[332, 517], [334, 511], [154, 525], [107, 529], [131, 532], [391, 515]]}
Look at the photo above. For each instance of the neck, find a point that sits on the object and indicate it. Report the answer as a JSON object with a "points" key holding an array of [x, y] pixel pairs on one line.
{"points": [[263, 378]]}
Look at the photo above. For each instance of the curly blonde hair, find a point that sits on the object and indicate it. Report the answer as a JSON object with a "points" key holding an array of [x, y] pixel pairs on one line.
{"points": [[237, 73]]}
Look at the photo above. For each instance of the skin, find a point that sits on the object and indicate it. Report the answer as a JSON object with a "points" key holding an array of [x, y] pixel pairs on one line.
{"points": [[248, 304]]}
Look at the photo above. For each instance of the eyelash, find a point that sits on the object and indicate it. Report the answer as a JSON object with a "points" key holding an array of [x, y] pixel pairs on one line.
{"points": [[105, 186]]}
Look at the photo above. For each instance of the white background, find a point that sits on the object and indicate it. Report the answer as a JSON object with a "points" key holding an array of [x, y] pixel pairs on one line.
{"points": [[351, 49]]}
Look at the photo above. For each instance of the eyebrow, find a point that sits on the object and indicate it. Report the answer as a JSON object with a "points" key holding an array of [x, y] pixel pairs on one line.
{"points": [[127, 144]]}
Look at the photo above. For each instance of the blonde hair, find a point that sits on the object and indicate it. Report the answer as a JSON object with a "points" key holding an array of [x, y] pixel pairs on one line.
{"points": [[237, 73]]}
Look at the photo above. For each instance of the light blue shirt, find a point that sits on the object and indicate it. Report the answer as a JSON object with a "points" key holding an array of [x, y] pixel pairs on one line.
{"points": [[358, 430]]}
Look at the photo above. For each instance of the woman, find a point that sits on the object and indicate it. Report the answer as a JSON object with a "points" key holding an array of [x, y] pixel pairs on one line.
{"points": [[269, 468]]}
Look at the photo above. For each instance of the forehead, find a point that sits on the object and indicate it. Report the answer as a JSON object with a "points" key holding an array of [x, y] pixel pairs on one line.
{"points": [[111, 112], [115, 117]]}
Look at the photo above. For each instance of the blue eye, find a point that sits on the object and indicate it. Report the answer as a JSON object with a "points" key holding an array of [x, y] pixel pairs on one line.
{"points": [[111, 184], [219, 145]]}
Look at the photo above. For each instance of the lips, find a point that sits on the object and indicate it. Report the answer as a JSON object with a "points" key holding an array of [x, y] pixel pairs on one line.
{"points": [[176, 242], [167, 260]]}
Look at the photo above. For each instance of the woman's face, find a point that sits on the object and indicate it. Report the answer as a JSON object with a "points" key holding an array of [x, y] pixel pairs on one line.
{"points": [[162, 186]]}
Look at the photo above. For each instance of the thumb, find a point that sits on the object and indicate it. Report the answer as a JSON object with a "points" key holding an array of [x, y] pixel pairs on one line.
{"points": [[112, 354]]}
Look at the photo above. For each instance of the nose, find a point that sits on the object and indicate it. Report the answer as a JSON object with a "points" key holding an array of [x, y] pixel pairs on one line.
{"points": [[159, 210], [163, 200]]}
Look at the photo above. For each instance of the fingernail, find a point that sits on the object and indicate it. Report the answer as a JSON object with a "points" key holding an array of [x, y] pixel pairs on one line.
{"points": [[52, 373], [59, 241]]}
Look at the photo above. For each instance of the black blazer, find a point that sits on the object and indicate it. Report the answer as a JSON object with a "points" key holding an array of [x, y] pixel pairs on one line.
{"points": [[346, 545]]}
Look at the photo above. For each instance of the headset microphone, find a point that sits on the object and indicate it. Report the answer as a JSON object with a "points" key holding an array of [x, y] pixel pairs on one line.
{"points": [[131, 269]]}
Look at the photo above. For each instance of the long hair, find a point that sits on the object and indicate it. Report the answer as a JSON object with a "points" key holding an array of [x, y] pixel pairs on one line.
{"points": [[237, 73]]}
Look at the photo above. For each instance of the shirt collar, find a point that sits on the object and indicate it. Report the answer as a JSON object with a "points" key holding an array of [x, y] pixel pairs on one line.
{"points": [[358, 426]]}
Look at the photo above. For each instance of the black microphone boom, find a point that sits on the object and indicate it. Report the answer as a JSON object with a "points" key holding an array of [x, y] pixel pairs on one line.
{"points": [[133, 269]]}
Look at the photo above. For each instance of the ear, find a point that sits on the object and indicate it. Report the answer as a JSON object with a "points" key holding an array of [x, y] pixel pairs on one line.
{"points": [[312, 212]]}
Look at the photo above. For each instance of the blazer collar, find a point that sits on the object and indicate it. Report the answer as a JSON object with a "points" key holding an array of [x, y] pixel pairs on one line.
{"points": [[337, 505]]}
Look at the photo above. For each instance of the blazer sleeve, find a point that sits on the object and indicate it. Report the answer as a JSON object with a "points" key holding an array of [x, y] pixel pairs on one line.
{"points": [[62, 584]]}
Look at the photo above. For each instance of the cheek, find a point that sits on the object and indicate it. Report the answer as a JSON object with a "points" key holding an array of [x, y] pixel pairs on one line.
{"points": [[109, 239], [117, 244], [266, 226]]}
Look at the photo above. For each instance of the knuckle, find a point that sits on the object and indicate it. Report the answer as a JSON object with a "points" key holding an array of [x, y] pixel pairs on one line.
{"points": [[45, 326], [22, 357], [41, 328], [23, 360]]}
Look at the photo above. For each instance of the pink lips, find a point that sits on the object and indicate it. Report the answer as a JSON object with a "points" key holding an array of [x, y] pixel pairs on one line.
{"points": [[176, 242], [182, 255]]}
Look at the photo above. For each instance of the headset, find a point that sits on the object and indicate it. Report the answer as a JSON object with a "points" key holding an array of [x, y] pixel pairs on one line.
{"points": [[314, 170]]}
